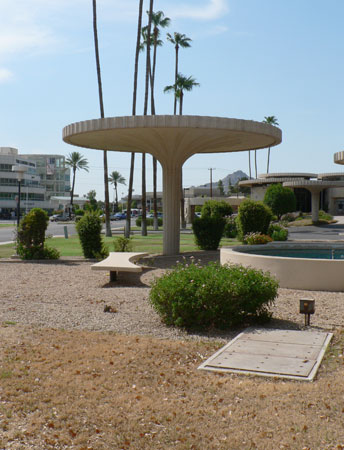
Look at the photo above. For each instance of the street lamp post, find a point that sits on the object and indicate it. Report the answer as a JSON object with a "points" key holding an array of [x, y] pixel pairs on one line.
{"points": [[19, 170]]}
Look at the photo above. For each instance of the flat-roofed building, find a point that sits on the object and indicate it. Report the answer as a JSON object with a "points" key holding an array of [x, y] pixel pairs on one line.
{"points": [[39, 182]]}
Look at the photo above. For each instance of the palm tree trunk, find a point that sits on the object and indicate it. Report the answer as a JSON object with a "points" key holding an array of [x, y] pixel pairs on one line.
{"points": [[144, 198], [175, 81], [145, 110], [155, 208], [137, 53], [101, 104], [182, 215], [116, 195], [249, 164], [181, 103], [72, 193], [152, 76], [130, 196], [132, 160], [255, 161], [268, 164]]}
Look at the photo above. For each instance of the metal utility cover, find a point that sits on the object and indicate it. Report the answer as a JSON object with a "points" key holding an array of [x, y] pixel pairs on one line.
{"points": [[275, 353]]}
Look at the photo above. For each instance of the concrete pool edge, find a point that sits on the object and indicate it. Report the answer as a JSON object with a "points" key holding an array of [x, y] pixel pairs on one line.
{"points": [[291, 273]]}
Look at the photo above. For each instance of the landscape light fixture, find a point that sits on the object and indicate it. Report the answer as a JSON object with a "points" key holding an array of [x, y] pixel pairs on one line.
{"points": [[19, 170], [307, 307]]}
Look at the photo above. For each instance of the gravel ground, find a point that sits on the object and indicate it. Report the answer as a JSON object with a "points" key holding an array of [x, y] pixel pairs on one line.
{"points": [[69, 295]]}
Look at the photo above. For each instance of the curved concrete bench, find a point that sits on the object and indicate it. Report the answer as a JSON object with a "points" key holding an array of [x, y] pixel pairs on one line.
{"points": [[119, 262]]}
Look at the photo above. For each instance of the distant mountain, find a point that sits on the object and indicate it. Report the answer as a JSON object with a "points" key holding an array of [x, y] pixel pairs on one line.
{"points": [[233, 177]]}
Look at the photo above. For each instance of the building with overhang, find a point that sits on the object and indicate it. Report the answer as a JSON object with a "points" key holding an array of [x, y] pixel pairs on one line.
{"points": [[313, 191]]}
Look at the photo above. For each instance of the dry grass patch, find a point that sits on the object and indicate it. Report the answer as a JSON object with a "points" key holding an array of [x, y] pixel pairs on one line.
{"points": [[88, 390]]}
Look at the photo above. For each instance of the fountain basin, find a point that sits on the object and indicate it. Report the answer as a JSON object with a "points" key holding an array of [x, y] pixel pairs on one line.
{"points": [[309, 266]]}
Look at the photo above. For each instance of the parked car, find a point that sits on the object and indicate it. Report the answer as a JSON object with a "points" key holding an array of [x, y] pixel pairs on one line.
{"points": [[119, 216], [57, 217], [151, 215]]}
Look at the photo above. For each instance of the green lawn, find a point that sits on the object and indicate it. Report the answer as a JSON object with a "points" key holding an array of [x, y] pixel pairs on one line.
{"points": [[7, 225], [151, 244]]}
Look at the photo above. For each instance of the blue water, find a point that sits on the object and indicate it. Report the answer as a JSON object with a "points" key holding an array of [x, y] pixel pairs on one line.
{"points": [[326, 253]]}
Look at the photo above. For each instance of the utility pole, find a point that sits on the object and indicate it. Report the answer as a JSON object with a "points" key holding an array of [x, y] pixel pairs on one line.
{"points": [[211, 181]]}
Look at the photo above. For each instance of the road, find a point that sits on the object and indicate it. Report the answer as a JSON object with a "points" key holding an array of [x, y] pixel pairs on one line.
{"points": [[333, 232], [54, 229]]}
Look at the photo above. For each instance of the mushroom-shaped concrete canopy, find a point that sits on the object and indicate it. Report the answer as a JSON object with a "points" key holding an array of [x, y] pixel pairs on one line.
{"points": [[315, 187], [172, 140]]}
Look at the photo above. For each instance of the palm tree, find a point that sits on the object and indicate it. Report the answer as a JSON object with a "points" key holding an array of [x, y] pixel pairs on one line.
{"points": [[132, 160], [183, 84], [158, 20], [116, 178], [101, 105], [272, 120], [75, 161], [179, 40], [145, 110]]}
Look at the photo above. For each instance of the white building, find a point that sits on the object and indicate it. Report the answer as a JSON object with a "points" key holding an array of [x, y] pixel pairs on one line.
{"points": [[35, 190]]}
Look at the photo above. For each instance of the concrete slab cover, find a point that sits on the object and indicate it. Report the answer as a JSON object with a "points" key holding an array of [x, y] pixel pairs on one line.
{"points": [[274, 353]]}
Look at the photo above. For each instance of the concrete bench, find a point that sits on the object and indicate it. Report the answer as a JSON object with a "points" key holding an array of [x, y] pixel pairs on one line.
{"points": [[119, 262]]}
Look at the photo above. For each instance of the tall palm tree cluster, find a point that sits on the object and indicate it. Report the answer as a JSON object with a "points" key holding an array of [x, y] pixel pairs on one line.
{"points": [[272, 120], [149, 40]]}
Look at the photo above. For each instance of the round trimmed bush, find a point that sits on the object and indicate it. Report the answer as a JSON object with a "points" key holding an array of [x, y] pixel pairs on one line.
{"points": [[89, 229], [31, 236], [214, 208], [208, 232], [280, 199], [253, 217], [217, 296]]}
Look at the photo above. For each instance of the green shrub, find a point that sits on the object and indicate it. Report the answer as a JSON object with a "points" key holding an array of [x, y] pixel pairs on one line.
{"points": [[51, 253], [230, 230], [280, 199], [208, 232], [149, 221], [214, 208], [325, 216], [253, 217], [256, 239], [281, 235], [278, 232], [89, 230], [123, 244], [213, 296], [30, 238], [79, 212]]}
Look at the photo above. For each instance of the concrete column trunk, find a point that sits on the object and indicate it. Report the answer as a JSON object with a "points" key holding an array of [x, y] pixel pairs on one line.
{"points": [[171, 209]]}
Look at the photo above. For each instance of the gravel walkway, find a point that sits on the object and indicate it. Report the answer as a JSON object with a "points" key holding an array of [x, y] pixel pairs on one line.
{"points": [[69, 295]]}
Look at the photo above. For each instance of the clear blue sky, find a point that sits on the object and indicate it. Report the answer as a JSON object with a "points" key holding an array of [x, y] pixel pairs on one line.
{"points": [[252, 58]]}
